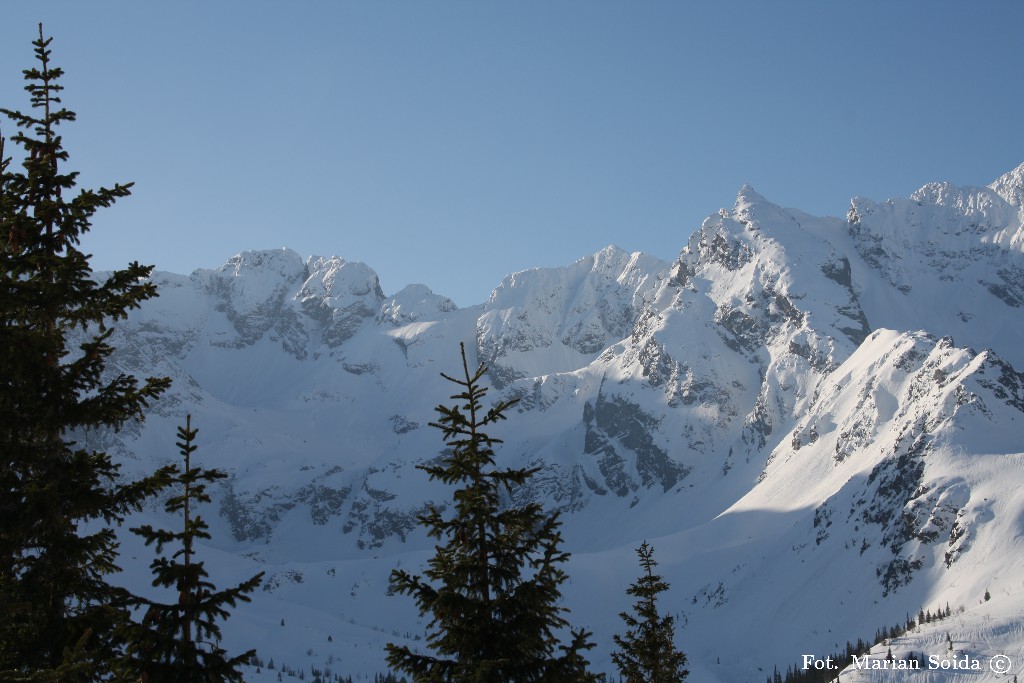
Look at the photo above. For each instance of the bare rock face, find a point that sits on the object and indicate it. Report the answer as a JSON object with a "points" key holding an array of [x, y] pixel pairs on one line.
{"points": [[340, 295]]}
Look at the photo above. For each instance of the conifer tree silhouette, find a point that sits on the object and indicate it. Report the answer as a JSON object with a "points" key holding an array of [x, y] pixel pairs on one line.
{"points": [[59, 497], [179, 640], [492, 588], [647, 650]]}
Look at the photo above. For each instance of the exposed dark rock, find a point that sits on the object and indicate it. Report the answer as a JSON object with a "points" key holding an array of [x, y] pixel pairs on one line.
{"points": [[615, 427]]}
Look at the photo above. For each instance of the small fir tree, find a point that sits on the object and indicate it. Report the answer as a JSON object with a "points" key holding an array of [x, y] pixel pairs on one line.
{"points": [[492, 588], [59, 498], [178, 641], [648, 653]]}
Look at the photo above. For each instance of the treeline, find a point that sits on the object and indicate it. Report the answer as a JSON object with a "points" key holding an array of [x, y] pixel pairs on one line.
{"points": [[843, 659], [317, 675]]}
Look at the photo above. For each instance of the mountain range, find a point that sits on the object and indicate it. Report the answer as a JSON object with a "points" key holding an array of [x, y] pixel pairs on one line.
{"points": [[817, 422]]}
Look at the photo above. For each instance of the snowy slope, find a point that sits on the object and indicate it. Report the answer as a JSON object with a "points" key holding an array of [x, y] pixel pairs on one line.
{"points": [[817, 422]]}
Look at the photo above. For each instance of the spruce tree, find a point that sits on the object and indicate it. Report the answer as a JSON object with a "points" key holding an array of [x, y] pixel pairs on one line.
{"points": [[648, 653], [59, 498], [492, 588], [178, 642]]}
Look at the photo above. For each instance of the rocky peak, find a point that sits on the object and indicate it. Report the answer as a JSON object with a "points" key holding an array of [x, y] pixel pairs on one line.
{"points": [[564, 316], [1010, 186], [412, 303], [251, 288], [338, 283], [340, 295]]}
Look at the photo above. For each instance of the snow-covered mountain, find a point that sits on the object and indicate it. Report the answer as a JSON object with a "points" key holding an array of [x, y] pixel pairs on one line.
{"points": [[817, 422]]}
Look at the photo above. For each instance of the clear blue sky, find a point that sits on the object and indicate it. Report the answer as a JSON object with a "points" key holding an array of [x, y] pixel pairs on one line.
{"points": [[452, 142]]}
